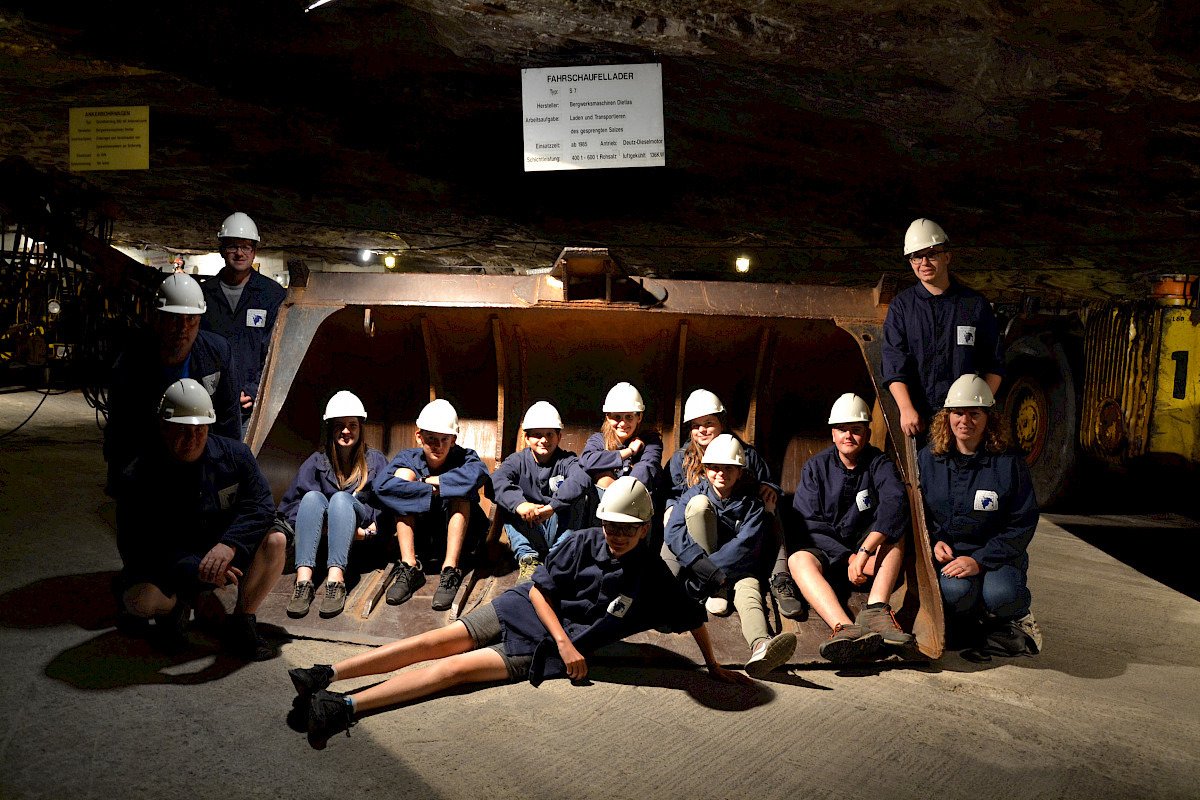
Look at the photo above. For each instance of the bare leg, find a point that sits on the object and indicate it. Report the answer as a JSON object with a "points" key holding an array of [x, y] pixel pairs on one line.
{"points": [[885, 565], [456, 531], [146, 600], [806, 572], [605, 480], [264, 570], [336, 575], [303, 574], [476, 666], [407, 540]]}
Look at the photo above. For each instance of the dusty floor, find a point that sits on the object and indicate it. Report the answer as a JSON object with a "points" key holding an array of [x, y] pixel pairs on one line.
{"points": [[1111, 709]]}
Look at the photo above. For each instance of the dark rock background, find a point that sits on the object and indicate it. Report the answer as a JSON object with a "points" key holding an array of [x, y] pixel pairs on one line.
{"points": [[1056, 141]]}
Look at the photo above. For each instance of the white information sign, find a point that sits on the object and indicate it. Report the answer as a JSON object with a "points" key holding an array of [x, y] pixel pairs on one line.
{"points": [[593, 117]]}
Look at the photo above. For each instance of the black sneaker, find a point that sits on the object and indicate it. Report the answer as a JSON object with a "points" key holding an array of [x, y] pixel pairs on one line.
{"points": [[328, 714], [243, 639], [334, 600], [312, 680], [408, 580], [787, 596], [302, 597], [447, 588]]}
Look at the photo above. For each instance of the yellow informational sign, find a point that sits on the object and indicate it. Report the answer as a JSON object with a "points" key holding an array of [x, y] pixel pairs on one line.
{"points": [[1175, 424], [111, 137]]}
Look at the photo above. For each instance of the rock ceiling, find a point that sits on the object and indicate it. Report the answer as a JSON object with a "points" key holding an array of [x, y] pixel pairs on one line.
{"points": [[1056, 141]]}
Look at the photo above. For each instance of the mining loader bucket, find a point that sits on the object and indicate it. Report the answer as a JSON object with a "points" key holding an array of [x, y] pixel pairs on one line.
{"points": [[777, 355]]}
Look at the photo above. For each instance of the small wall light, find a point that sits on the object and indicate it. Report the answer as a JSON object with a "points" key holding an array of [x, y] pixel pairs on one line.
{"points": [[389, 261], [742, 263], [365, 255]]}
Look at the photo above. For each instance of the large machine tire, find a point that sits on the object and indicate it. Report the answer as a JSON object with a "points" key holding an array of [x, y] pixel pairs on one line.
{"points": [[1039, 402]]}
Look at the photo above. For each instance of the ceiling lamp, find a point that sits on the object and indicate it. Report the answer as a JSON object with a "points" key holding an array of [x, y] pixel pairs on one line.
{"points": [[742, 263]]}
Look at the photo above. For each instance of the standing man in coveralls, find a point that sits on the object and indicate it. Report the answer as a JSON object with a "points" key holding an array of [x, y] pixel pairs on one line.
{"points": [[242, 306], [935, 331]]}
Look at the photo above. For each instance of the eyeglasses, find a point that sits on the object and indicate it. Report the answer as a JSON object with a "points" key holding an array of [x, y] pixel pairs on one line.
{"points": [[622, 528], [237, 248], [925, 255]]}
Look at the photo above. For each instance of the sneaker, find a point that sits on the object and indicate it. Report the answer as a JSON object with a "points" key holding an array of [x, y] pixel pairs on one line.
{"points": [[1029, 626], [718, 606], [848, 643], [302, 597], [312, 680], [328, 714], [528, 565], [787, 596], [447, 588], [770, 654], [243, 639], [409, 578], [879, 618], [168, 634], [1011, 637], [334, 600]]}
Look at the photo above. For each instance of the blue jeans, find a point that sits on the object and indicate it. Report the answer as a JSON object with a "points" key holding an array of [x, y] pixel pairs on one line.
{"points": [[535, 538], [1002, 590], [340, 515]]}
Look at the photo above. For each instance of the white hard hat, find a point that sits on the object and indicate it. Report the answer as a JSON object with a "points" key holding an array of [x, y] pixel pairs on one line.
{"points": [[344, 404], [541, 415], [849, 408], [187, 402], [438, 417], [180, 294], [725, 449], [626, 500], [970, 391], [700, 403], [923, 233], [623, 397], [238, 226]]}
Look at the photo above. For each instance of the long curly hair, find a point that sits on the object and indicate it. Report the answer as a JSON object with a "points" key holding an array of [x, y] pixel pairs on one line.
{"points": [[941, 438], [693, 466], [359, 472]]}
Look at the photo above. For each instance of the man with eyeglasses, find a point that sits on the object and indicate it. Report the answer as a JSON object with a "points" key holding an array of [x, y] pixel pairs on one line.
{"points": [[242, 306], [935, 331]]}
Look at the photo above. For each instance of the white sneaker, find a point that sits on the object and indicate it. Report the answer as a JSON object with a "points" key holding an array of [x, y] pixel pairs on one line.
{"points": [[717, 606], [770, 654]]}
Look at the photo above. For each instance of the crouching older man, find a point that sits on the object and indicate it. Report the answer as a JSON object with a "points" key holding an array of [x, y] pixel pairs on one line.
{"points": [[193, 512]]}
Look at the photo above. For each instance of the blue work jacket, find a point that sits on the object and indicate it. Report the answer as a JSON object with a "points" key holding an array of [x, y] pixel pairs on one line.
{"points": [[930, 340], [982, 506], [316, 475], [741, 524], [461, 476], [248, 327], [677, 478], [136, 385], [839, 506], [520, 479], [646, 465], [173, 513], [599, 600]]}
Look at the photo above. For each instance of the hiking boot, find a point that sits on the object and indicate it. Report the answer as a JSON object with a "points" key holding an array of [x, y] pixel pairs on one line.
{"points": [[447, 588], [328, 714], [312, 680], [849, 643], [1010, 637], [302, 597], [1029, 626], [334, 600], [770, 654], [528, 565], [787, 596], [409, 578], [878, 617], [243, 639]]}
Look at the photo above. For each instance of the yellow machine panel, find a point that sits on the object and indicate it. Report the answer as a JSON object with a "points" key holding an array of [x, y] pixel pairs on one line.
{"points": [[1175, 421]]}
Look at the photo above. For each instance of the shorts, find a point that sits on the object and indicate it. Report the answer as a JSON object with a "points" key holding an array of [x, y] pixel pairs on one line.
{"points": [[484, 626], [169, 579], [837, 577]]}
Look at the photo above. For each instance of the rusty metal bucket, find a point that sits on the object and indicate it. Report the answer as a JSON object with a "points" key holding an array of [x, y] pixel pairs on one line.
{"points": [[777, 355]]}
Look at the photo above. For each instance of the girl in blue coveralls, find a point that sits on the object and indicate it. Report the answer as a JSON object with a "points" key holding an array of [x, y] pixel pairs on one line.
{"points": [[717, 537], [332, 493], [601, 586], [622, 447], [982, 513], [540, 494], [855, 513], [705, 417], [434, 490]]}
